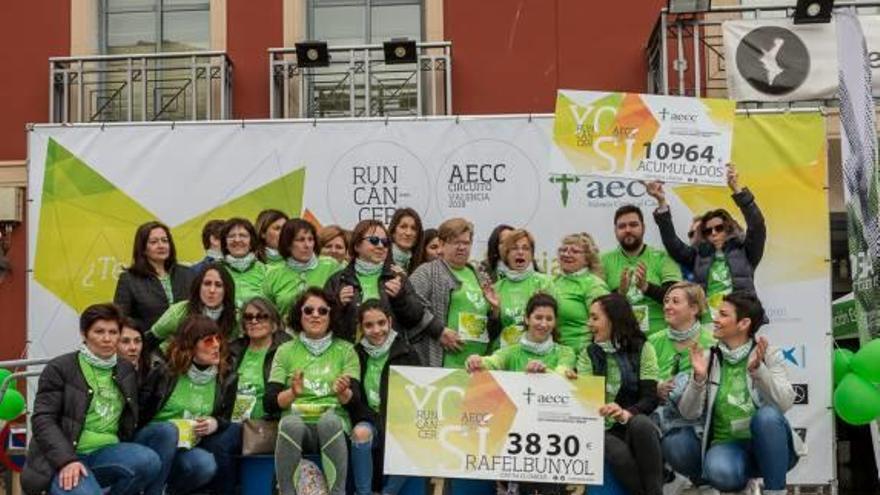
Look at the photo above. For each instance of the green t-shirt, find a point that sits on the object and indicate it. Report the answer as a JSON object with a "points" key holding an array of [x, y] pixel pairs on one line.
{"points": [[283, 285], [648, 370], [319, 373], [719, 282], [516, 357], [575, 294], [251, 386], [468, 315], [373, 380], [672, 361], [101, 426], [369, 286], [188, 400], [734, 408], [660, 269], [513, 296], [249, 283]]}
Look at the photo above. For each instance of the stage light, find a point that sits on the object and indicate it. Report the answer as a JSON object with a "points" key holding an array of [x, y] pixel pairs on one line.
{"points": [[312, 54], [400, 52], [813, 11], [688, 6]]}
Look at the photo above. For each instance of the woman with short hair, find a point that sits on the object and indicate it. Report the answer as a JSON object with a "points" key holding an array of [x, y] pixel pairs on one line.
{"points": [[579, 282], [370, 275], [622, 355], [268, 226], [238, 241], [154, 280], [194, 391], [407, 239], [302, 267], [84, 417], [333, 241], [302, 389], [517, 282]]}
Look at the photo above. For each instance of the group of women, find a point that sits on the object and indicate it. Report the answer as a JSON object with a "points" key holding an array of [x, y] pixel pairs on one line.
{"points": [[285, 322]]}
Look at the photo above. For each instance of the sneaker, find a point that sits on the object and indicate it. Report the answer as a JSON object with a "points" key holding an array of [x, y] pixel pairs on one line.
{"points": [[677, 486]]}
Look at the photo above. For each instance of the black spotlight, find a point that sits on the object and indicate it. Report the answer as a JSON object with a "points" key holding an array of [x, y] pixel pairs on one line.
{"points": [[312, 54], [813, 11], [400, 52]]}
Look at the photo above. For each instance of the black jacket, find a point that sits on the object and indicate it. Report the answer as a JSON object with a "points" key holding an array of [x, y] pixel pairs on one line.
{"points": [[144, 299], [636, 395], [407, 307], [157, 389], [400, 354], [239, 346], [60, 406], [743, 253]]}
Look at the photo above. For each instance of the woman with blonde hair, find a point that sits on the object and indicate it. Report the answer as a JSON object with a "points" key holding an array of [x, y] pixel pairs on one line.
{"points": [[578, 283], [334, 241]]}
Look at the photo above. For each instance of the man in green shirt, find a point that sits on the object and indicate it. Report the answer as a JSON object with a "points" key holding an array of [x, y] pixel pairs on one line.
{"points": [[640, 272]]}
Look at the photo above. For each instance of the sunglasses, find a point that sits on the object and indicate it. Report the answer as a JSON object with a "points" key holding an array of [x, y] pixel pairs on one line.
{"points": [[255, 317], [376, 240], [718, 229], [210, 340], [321, 310]]}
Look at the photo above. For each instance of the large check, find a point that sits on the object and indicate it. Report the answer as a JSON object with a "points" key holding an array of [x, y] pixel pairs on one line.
{"points": [[494, 425], [647, 137]]}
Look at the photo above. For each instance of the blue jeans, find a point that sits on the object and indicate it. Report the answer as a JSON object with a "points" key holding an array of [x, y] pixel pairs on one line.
{"points": [[226, 447], [183, 471], [125, 468], [728, 466], [362, 462]]}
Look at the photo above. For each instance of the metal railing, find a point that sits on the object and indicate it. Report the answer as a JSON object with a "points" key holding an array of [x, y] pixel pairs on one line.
{"points": [[685, 52], [358, 83], [143, 87]]}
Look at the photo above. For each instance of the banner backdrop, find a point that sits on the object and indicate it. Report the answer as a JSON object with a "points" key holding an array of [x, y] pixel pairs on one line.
{"points": [[91, 186]]}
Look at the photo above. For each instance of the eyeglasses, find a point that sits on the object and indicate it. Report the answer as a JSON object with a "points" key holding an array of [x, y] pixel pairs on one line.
{"points": [[717, 228], [210, 340], [321, 310], [254, 317], [570, 250], [376, 240]]}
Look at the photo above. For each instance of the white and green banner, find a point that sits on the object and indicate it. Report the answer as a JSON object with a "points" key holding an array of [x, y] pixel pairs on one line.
{"points": [[90, 186]]}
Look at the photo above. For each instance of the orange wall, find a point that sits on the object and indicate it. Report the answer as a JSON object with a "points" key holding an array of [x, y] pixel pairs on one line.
{"points": [[511, 56], [30, 33], [250, 31]]}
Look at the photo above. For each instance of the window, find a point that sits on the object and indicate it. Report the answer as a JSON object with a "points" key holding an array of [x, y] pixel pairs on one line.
{"points": [[356, 22], [147, 26]]}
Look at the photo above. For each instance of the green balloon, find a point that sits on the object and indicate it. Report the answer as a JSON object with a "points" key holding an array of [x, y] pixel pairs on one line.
{"points": [[866, 362], [856, 400], [12, 405], [842, 364]]}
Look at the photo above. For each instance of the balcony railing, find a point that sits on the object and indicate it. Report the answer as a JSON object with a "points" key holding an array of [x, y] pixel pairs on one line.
{"points": [[358, 83], [147, 87]]}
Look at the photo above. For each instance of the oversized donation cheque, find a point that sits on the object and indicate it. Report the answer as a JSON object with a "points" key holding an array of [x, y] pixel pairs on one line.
{"points": [[494, 425], [646, 137]]}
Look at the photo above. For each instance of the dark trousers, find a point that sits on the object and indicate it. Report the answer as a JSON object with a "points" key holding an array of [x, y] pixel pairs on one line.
{"points": [[633, 452]]}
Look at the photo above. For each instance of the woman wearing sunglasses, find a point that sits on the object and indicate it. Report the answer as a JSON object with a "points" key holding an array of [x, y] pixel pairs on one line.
{"points": [[268, 227], [726, 259], [578, 283], [457, 297], [371, 275], [407, 239], [517, 282], [238, 241], [212, 294], [302, 267], [302, 390], [195, 391]]}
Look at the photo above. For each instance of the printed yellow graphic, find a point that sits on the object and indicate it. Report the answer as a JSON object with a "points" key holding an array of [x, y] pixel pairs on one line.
{"points": [[87, 226]]}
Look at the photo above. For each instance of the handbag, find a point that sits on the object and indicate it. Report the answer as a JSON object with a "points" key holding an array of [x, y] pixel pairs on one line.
{"points": [[258, 436]]}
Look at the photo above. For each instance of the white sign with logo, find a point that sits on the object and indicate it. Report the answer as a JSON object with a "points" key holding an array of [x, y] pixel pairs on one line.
{"points": [[775, 60]]}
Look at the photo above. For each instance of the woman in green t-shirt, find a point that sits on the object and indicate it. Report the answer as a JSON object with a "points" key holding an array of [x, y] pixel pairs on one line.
{"points": [[195, 391], [301, 388], [212, 294], [517, 282], [268, 226], [238, 241], [537, 350], [302, 267], [621, 354], [578, 283]]}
